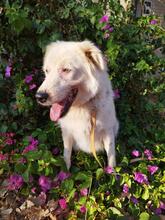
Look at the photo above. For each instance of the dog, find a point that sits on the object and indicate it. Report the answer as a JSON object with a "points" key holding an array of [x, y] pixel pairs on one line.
{"points": [[76, 85]]}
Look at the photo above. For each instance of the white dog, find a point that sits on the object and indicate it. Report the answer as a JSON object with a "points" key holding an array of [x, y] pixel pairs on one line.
{"points": [[77, 84]]}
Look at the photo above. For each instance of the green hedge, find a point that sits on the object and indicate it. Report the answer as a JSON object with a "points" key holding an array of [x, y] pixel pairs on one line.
{"points": [[137, 74]]}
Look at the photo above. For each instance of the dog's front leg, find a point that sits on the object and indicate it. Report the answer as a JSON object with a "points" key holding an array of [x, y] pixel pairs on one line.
{"points": [[68, 143], [109, 145]]}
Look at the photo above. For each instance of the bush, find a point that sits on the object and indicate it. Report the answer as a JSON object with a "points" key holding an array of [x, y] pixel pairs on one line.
{"points": [[31, 146]]}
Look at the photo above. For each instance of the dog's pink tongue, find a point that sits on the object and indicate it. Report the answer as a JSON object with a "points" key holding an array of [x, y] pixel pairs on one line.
{"points": [[55, 111]]}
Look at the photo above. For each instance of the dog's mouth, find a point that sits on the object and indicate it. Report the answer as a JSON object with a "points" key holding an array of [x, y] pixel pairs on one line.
{"points": [[60, 109]]}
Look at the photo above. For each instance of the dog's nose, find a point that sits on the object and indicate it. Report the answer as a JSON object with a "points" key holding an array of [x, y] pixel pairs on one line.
{"points": [[41, 96]]}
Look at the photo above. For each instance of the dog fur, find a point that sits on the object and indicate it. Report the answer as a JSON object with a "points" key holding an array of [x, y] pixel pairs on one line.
{"points": [[87, 72]]}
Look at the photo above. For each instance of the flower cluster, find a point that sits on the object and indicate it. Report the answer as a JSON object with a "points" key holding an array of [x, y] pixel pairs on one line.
{"points": [[15, 182], [33, 143], [29, 81], [45, 183], [140, 178], [153, 21], [152, 169], [107, 28], [8, 71], [148, 154], [63, 175], [108, 170]]}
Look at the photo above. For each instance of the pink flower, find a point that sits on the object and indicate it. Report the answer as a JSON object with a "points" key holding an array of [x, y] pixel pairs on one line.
{"points": [[62, 203], [108, 170], [116, 94], [8, 71], [45, 183], [111, 29], [3, 157], [104, 18], [83, 209], [32, 146], [15, 182], [32, 86], [28, 78], [84, 192], [33, 190], [106, 27], [9, 141], [106, 35], [125, 188], [153, 22], [148, 154], [63, 175], [152, 169], [135, 153], [140, 178]]}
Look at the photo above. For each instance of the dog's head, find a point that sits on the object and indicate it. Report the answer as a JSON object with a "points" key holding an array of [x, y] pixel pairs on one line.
{"points": [[71, 72]]}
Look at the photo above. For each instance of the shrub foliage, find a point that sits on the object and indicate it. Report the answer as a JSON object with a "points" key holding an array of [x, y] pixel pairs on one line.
{"points": [[31, 145]]}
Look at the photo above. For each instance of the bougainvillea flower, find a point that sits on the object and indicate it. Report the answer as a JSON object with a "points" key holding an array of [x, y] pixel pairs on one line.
{"points": [[116, 94], [3, 156], [162, 205], [33, 190], [15, 182], [158, 211], [140, 178], [45, 183], [56, 151], [8, 71], [103, 19], [111, 29], [32, 146], [62, 203], [84, 192], [135, 153], [153, 22], [63, 175], [106, 35], [125, 188], [32, 86], [28, 78], [83, 209], [108, 170], [106, 27], [134, 199], [148, 154], [9, 141], [152, 169]]}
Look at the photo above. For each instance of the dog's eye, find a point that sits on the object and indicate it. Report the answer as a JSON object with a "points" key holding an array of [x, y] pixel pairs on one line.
{"points": [[46, 71], [66, 70]]}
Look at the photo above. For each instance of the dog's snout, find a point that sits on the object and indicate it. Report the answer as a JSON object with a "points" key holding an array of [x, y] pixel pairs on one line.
{"points": [[41, 96]]}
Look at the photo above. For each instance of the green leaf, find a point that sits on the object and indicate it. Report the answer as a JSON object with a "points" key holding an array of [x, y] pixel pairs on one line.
{"points": [[20, 168], [99, 173], [67, 185], [144, 216], [33, 155], [116, 211], [155, 217], [145, 194]]}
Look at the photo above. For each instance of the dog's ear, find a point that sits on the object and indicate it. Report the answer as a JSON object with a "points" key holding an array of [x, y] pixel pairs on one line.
{"points": [[93, 54]]}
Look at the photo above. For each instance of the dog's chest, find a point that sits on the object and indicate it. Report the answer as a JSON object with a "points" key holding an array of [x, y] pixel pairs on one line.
{"points": [[77, 123]]}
